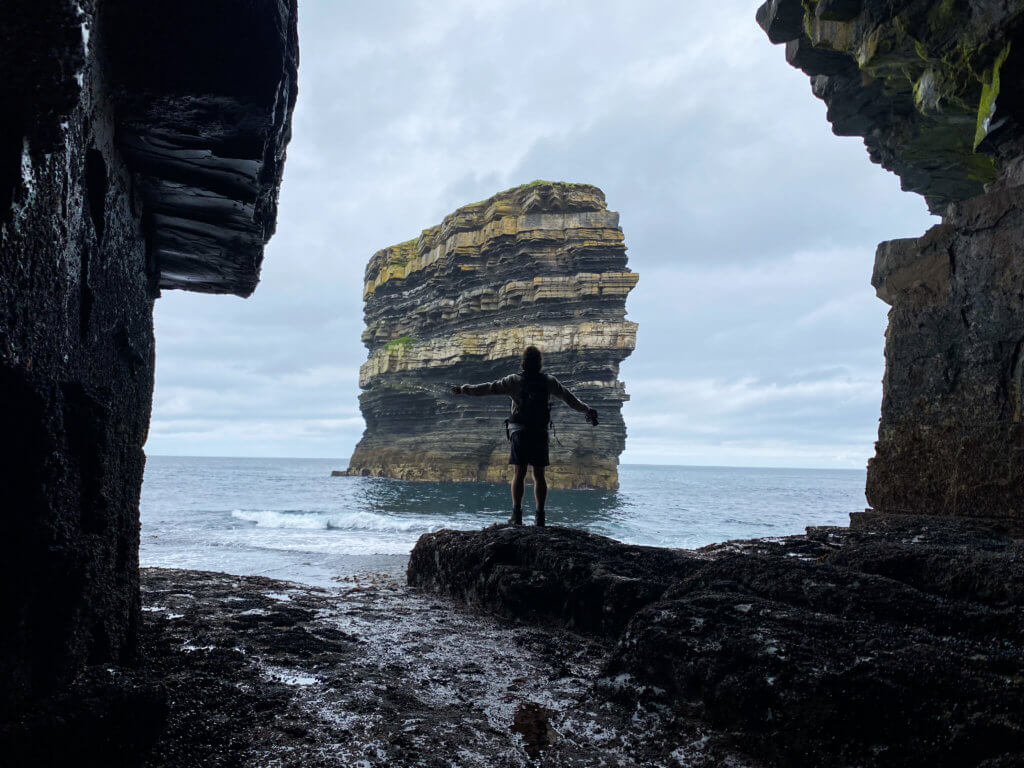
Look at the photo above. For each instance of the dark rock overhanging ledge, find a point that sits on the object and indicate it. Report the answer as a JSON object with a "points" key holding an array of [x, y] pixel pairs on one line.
{"points": [[203, 121], [141, 147], [920, 81], [902, 644]]}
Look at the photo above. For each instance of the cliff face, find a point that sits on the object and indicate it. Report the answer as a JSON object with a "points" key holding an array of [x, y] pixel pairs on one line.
{"points": [[109, 148], [951, 440], [541, 264], [935, 89]]}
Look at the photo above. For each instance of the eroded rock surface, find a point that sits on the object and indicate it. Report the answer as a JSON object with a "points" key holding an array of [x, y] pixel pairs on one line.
{"points": [[541, 264], [124, 125], [204, 94], [561, 575], [951, 438], [901, 644], [920, 80]]}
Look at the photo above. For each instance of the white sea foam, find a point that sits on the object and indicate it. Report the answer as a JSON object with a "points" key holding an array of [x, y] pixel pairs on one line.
{"points": [[342, 521]]}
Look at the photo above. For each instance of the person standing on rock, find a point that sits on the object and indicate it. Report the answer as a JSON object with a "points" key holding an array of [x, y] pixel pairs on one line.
{"points": [[531, 390]]}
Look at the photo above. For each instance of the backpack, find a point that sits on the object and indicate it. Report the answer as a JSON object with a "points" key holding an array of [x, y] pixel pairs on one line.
{"points": [[534, 407]]}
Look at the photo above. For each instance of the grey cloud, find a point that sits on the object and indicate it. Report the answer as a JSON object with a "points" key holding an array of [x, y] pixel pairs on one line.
{"points": [[752, 227]]}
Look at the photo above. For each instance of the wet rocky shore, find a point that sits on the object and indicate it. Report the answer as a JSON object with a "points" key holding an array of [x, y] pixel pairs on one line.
{"points": [[896, 643], [248, 671], [901, 643]]}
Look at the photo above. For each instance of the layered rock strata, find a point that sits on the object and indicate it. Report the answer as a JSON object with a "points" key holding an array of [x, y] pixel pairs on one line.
{"points": [[935, 89], [900, 644], [89, 231], [541, 264]]}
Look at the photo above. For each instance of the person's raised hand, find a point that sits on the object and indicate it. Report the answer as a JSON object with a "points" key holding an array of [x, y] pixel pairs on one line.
{"points": [[592, 416], [456, 390]]}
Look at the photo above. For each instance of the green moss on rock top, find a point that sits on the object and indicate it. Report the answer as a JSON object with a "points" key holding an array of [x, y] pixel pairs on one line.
{"points": [[537, 196], [399, 344]]}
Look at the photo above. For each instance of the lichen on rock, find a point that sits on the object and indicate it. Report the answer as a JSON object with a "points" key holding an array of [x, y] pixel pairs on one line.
{"points": [[543, 263]]}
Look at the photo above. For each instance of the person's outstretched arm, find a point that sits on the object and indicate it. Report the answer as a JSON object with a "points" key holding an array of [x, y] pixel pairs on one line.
{"points": [[570, 399], [497, 387]]}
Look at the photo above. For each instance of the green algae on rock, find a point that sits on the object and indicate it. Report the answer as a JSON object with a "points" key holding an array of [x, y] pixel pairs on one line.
{"points": [[543, 263], [917, 79]]}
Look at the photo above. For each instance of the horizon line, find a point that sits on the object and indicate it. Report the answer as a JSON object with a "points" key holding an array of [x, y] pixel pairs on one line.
{"points": [[621, 464]]}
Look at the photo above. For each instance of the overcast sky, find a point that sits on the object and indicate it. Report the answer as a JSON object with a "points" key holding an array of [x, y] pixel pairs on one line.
{"points": [[752, 227]]}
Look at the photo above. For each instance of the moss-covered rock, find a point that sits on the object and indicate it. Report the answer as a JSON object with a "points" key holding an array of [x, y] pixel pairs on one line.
{"points": [[937, 91]]}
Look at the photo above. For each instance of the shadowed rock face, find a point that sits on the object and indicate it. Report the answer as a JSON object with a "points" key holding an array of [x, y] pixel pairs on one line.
{"points": [[848, 648], [541, 264], [951, 440], [82, 256], [935, 89], [918, 79], [584, 581], [203, 123], [902, 644]]}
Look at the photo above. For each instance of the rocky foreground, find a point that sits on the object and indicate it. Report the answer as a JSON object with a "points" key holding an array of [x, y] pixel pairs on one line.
{"points": [[247, 671], [901, 644]]}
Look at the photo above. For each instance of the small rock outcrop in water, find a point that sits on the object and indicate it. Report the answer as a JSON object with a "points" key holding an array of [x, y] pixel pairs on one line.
{"points": [[141, 146], [895, 645], [935, 89], [540, 264]]}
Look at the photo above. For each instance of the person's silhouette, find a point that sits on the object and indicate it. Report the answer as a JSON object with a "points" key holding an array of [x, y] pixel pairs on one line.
{"points": [[531, 390]]}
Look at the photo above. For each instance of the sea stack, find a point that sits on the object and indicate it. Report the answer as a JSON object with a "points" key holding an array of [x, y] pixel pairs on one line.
{"points": [[543, 264]]}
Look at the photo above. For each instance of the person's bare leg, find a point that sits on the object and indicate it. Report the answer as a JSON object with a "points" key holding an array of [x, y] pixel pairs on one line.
{"points": [[540, 492], [518, 489]]}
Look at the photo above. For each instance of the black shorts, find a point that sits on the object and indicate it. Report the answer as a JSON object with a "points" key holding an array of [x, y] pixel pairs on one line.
{"points": [[529, 446]]}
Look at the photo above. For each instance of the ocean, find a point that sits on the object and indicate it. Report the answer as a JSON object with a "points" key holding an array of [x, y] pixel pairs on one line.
{"points": [[290, 519]]}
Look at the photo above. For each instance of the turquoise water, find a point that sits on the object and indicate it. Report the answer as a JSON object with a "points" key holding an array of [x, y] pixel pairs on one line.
{"points": [[289, 519]]}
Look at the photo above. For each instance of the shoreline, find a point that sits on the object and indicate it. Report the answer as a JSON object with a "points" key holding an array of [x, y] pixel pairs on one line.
{"points": [[524, 647], [243, 670], [315, 570]]}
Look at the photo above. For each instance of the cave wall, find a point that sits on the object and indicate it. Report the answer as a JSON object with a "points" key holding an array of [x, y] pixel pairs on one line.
{"points": [[540, 264], [951, 440], [935, 89], [76, 368], [84, 220]]}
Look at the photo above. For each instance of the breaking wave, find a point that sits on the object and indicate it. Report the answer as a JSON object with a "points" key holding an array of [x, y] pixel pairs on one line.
{"points": [[341, 521]]}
